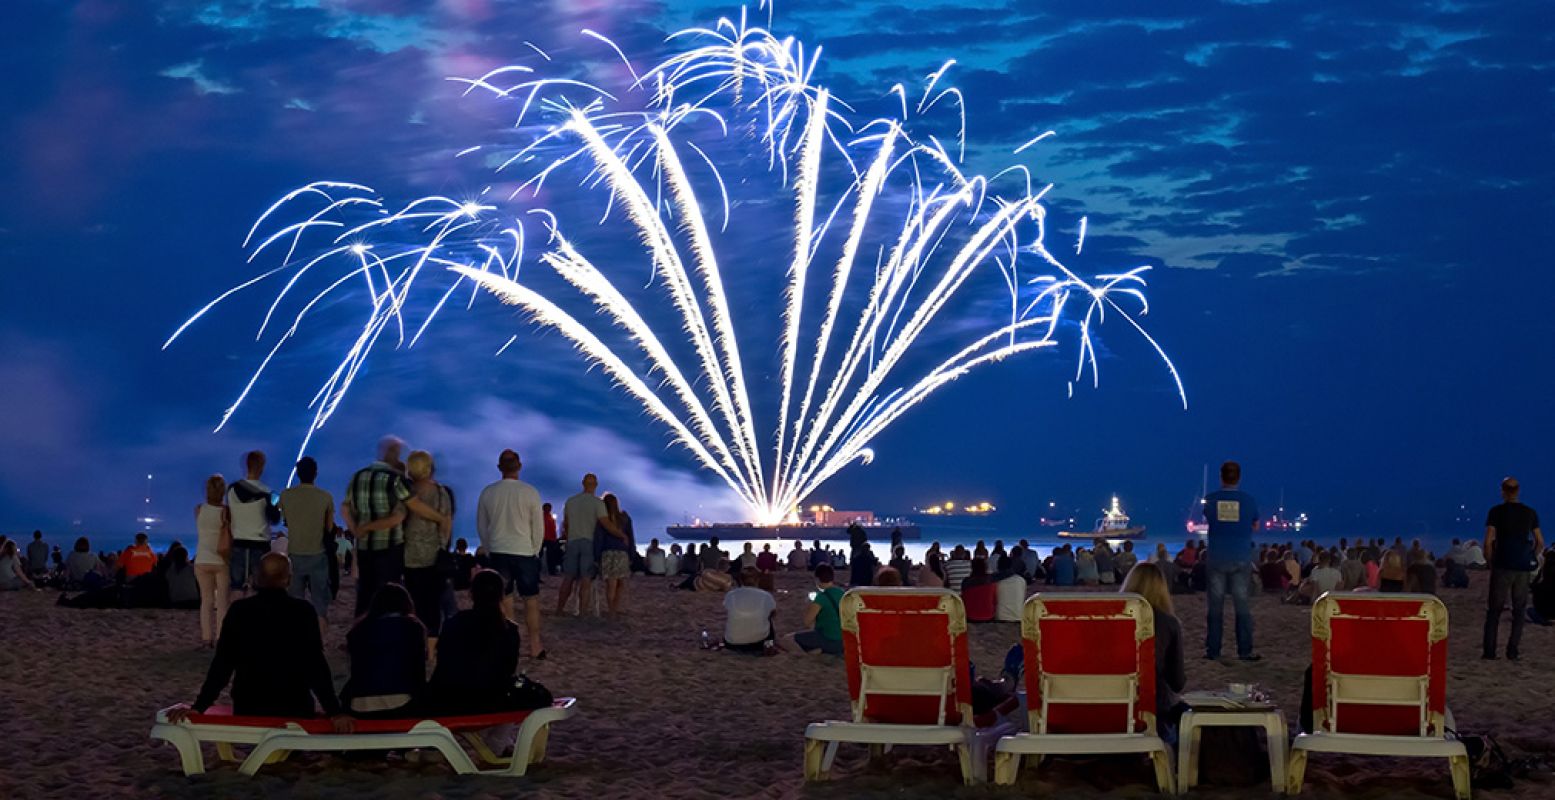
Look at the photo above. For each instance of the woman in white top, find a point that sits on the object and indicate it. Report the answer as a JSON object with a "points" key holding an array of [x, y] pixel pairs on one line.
{"points": [[213, 548]]}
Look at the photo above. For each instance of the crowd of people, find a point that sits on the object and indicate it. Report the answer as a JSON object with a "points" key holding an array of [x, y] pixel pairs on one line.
{"points": [[267, 567]]}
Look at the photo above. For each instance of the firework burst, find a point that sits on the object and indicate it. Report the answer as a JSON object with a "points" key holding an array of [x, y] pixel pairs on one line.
{"points": [[885, 226]]}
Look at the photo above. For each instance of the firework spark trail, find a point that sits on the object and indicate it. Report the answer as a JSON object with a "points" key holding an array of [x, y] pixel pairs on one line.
{"points": [[901, 199]]}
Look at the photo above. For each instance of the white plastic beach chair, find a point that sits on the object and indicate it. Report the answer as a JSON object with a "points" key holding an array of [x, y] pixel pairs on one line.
{"points": [[1090, 682], [908, 672], [1379, 682], [272, 738]]}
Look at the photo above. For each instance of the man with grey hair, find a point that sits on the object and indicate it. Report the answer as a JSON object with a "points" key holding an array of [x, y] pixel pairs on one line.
{"points": [[374, 508]]}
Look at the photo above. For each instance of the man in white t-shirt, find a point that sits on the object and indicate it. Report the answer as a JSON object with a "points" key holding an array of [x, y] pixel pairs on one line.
{"points": [[1010, 589], [749, 613], [253, 510], [1325, 577], [511, 525]]}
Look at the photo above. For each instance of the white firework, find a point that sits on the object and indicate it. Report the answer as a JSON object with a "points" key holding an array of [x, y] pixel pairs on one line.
{"points": [[868, 264]]}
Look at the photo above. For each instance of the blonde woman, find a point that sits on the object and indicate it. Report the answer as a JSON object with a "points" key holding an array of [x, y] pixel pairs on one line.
{"points": [[425, 537], [1147, 581], [212, 552]]}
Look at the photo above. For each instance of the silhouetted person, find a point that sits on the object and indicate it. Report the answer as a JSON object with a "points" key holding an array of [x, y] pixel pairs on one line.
{"points": [[1512, 542]]}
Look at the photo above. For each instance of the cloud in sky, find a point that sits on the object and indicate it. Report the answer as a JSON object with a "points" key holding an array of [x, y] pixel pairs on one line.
{"points": [[194, 71]]}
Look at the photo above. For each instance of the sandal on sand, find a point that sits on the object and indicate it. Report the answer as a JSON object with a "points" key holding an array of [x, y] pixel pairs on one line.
{"points": [[541, 655]]}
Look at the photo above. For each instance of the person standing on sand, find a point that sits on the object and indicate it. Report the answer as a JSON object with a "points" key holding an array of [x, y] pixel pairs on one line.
{"points": [[509, 521], [552, 558], [374, 510], [1513, 542], [582, 514], [212, 547], [615, 554], [1233, 517], [252, 508], [425, 579], [271, 651], [309, 511]]}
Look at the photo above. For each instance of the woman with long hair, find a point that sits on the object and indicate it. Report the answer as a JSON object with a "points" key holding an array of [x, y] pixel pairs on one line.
{"points": [[931, 575], [212, 549], [424, 539], [1148, 581], [477, 656], [388, 650], [615, 554]]}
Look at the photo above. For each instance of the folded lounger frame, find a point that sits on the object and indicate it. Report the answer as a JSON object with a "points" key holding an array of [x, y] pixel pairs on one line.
{"points": [[271, 738], [1090, 682], [1379, 682]]}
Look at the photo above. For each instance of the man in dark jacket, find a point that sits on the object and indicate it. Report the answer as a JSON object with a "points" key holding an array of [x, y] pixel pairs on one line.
{"points": [[271, 650]]}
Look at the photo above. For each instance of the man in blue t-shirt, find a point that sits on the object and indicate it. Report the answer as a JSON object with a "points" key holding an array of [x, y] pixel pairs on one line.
{"points": [[1233, 516], [1512, 542]]}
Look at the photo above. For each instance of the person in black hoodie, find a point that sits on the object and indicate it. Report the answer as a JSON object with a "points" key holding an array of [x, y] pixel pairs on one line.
{"points": [[477, 655], [271, 651], [388, 657]]}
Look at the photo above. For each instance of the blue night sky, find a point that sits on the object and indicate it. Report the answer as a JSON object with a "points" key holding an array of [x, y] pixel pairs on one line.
{"points": [[1347, 206]]}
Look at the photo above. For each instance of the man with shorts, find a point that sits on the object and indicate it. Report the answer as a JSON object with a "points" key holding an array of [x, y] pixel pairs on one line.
{"points": [[309, 512], [253, 512], [583, 512], [511, 526]]}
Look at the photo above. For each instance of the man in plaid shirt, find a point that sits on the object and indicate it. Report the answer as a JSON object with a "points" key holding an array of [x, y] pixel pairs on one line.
{"points": [[376, 502]]}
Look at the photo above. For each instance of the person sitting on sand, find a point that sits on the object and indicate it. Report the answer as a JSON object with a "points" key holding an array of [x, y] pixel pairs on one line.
{"points": [[1147, 581], [388, 650], [797, 557], [1455, 573], [888, 576], [900, 562], [865, 565], [654, 561], [747, 559], [931, 574], [477, 655], [1391, 575], [766, 560], [13, 577], [818, 555], [979, 576], [1420, 576], [1011, 591], [823, 617], [1104, 564], [183, 590], [138, 559], [1063, 571], [1085, 572], [81, 567], [957, 568], [271, 651], [1325, 578], [1373, 571], [1352, 572], [1475, 555], [749, 610], [1124, 560], [712, 556]]}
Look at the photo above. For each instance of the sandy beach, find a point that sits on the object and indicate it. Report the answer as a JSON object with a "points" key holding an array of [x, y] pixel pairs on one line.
{"points": [[662, 718]]}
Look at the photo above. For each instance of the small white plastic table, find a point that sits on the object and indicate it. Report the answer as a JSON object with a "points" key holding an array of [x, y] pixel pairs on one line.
{"points": [[1194, 721]]}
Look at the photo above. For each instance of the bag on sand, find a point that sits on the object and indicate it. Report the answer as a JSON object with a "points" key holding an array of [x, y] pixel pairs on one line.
{"points": [[1489, 768], [528, 695]]}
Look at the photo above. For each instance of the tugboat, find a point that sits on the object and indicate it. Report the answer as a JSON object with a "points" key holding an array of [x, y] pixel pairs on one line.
{"points": [[1113, 524]]}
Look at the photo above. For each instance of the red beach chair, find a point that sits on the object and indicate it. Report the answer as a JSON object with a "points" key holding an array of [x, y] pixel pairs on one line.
{"points": [[908, 673], [1379, 682], [1090, 682], [275, 737]]}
